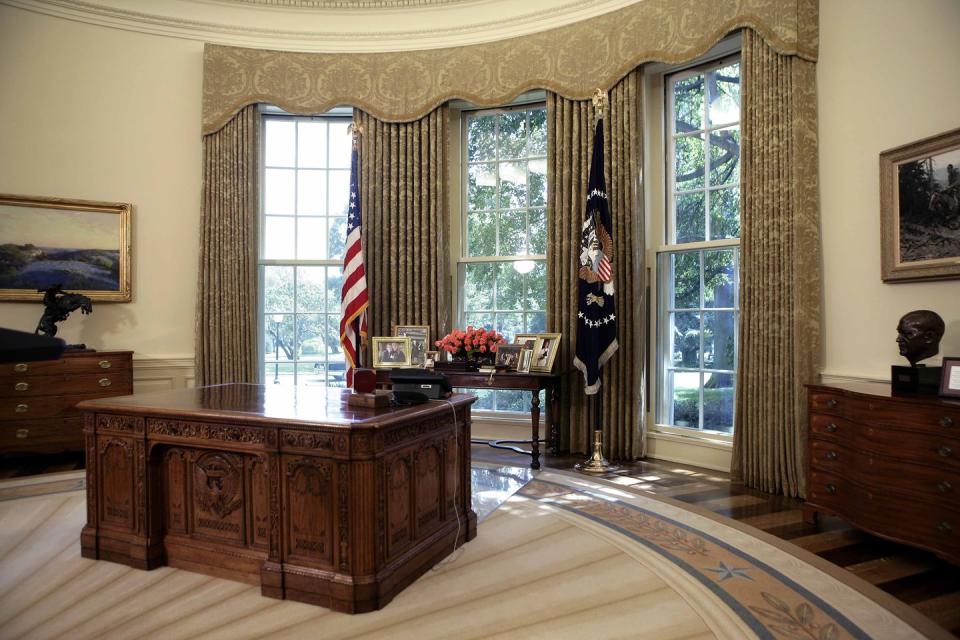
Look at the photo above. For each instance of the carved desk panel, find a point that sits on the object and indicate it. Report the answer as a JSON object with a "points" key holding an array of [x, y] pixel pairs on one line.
{"points": [[283, 487]]}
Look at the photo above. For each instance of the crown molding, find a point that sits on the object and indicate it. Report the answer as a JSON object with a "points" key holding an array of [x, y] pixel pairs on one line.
{"points": [[341, 26]]}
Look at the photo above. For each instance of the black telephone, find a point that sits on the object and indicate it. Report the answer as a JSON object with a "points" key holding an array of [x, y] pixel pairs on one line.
{"points": [[416, 386]]}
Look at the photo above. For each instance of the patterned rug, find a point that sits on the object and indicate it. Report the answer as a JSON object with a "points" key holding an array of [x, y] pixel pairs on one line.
{"points": [[564, 557]]}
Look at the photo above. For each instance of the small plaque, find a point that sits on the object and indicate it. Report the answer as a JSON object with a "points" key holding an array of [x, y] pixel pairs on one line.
{"points": [[923, 380]]}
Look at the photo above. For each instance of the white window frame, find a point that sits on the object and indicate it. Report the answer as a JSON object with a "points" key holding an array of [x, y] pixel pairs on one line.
{"points": [[659, 167], [266, 113]]}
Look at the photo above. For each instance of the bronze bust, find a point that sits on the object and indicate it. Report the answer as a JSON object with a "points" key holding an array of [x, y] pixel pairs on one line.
{"points": [[918, 335]]}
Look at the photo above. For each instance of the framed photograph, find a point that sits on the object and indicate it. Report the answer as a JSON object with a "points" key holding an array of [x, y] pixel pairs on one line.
{"points": [[545, 352], [391, 352], [950, 382], [528, 340], [82, 245], [526, 357], [508, 355], [920, 210], [419, 340], [430, 359]]}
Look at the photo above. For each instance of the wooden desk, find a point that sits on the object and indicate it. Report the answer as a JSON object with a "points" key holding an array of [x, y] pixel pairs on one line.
{"points": [[532, 382], [284, 487]]}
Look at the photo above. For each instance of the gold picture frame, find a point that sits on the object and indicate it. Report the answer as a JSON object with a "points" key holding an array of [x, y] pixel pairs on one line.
{"points": [[545, 352], [508, 356], [526, 357], [920, 209], [528, 340], [384, 356], [419, 335], [83, 245]]}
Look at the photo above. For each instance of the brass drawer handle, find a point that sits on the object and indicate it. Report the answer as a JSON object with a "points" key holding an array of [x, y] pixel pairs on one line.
{"points": [[831, 403], [21, 408], [945, 487], [946, 421], [944, 527], [21, 367], [23, 433], [945, 451], [104, 364], [105, 382], [832, 489], [831, 455], [831, 428], [21, 386]]}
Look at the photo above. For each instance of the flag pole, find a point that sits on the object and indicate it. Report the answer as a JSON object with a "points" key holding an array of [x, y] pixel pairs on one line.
{"points": [[596, 463]]}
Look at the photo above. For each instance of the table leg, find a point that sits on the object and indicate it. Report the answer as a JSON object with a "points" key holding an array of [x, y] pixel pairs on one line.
{"points": [[553, 416], [535, 419]]}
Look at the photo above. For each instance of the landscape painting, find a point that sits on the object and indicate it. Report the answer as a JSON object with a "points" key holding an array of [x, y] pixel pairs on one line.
{"points": [[81, 245], [920, 206]]}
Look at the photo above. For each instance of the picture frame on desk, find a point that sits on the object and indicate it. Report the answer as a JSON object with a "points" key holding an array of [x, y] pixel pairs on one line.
{"points": [[526, 357], [508, 356], [545, 352], [950, 378], [419, 335], [389, 352]]}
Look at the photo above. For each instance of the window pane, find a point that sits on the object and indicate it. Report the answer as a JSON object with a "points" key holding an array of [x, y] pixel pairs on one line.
{"points": [[538, 231], [719, 278], [513, 134], [685, 267], [718, 395], [513, 184], [538, 183], [724, 87], [688, 104], [339, 193], [725, 213], [279, 192], [690, 218], [279, 135], [478, 286], [509, 324], [278, 243], [688, 162], [725, 156], [513, 233], [311, 192], [718, 340], [478, 320], [481, 187], [334, 289], [481, 233], [309, 326], [536, 287], [685, 398], [509, 287], [310, 289], [341, 144], [686, 339], [311, 238], [484, 398], [512, 401], [277, 289], [312, 144], [278, 334], [536, 323], [337, 237], [481, 138], [537, 141]]}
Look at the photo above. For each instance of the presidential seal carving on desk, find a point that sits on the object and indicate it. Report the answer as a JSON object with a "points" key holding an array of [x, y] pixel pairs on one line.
{"points": [[218, 484]]}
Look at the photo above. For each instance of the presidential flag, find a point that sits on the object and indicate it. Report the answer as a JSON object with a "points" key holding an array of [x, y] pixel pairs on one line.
{"points": [[596, 311], [353, 297]]}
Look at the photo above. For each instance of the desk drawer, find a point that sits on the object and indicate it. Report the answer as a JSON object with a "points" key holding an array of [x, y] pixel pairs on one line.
{"points": [[42, 434], [30, 407], [941, 420]]}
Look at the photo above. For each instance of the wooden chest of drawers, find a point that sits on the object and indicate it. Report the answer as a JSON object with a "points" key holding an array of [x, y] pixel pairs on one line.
{"points": [[38, 399], [889, 464]]}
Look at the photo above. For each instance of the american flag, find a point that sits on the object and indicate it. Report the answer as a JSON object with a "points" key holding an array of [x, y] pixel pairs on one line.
{"points": [[353, 298]]}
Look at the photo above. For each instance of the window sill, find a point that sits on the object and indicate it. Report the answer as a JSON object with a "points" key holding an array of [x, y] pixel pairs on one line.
{"points": [[695, 451]]}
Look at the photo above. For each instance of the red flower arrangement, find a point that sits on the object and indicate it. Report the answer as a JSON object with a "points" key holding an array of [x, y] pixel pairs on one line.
{"points": [[471, 344]]}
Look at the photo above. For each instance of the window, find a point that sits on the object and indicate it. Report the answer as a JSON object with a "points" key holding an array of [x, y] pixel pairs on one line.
{"points": [[502, 264], [305, 192], [698, 283]]}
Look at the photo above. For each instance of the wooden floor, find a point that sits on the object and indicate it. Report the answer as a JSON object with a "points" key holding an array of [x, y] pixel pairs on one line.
{"points": [[918, 578]]}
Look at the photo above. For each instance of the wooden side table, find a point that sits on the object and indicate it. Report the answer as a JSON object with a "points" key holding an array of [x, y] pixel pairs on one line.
{"points": [[512, 381]]}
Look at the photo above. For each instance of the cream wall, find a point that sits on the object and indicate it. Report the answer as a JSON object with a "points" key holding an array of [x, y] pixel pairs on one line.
{"points": [[888, 74], [102, 114]]}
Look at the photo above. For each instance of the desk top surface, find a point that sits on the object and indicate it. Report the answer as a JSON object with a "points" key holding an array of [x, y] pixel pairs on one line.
{"points": [[268, 405]]}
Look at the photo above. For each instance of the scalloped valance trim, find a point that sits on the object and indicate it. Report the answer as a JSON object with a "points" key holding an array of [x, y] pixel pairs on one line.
{"points": [[571, 61]]}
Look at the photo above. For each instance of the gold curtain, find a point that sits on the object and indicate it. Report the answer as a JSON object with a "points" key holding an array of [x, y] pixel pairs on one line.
{"points": [[570, 131], [403, 180], [780, 267], [226, 329]]}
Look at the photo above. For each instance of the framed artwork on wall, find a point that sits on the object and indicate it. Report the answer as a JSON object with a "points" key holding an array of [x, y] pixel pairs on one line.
{"points": [[82, 245], [920, 210]]}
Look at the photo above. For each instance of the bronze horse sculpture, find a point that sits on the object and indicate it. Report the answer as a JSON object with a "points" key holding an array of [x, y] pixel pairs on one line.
{"points": [[57, 305]]}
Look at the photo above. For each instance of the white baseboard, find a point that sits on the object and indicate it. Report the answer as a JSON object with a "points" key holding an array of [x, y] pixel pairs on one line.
{"points": [[713, 455], [162, 374]]}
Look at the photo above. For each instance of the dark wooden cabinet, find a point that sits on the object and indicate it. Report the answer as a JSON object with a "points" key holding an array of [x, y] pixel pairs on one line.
{"points": [[889, 464], [38, 399]]}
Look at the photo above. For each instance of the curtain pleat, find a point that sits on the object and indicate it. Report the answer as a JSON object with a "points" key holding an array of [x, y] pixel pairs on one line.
{"points": [[780, 272], [570, 129], [226, 326], [406, 247]]}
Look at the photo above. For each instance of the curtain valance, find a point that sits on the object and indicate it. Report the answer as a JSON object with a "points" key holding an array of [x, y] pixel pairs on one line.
{"points": [[572, 61]]}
